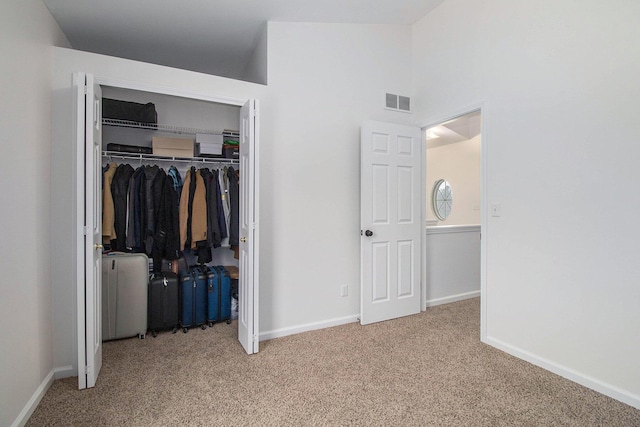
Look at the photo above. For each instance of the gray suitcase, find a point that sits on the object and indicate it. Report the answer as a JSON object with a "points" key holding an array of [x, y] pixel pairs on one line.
{"points": [[124, 295]]}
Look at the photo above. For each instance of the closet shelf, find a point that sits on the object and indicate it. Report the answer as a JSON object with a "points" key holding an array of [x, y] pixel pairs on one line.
{"points": [[156, 158], [167, 128]]}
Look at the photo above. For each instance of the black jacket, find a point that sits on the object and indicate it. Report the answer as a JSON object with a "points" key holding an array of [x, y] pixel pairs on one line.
{"points": [[166, 238], [119, 187]]}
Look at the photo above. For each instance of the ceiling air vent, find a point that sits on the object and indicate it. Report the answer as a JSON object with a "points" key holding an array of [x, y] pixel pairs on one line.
{"points": [[398, 102]]}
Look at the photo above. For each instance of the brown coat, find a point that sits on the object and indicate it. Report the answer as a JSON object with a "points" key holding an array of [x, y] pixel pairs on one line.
{"points": [[199, 211], [108, 210]]}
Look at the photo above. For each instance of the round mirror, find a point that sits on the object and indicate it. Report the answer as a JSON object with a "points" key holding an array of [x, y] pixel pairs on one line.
{"points": [[442, 199]]}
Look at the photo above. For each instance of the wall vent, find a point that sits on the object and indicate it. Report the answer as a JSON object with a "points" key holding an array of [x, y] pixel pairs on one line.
{"points": [[398, 102]]}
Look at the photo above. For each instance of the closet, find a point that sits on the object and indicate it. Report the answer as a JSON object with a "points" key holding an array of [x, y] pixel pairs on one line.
{"points": [[183, 119], [180, 114]]}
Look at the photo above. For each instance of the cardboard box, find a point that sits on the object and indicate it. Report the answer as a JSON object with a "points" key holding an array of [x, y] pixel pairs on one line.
{"points": [[172, 147]]}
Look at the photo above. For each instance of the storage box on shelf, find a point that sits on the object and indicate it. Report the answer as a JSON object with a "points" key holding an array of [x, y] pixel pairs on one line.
{"points": [[172, 147]]}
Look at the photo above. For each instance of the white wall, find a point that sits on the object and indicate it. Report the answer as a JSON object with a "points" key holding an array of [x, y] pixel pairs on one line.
{"points": [[324, 80], [453, 263], [256, 69], [559, 83], [459, 164], [27, 33]]}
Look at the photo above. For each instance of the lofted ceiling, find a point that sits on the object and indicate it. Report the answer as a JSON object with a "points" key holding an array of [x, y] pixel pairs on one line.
{"points": [[210, 36], [459, 129]]}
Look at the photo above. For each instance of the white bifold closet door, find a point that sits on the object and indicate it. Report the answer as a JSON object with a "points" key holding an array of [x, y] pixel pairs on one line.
{"points": [[88, 97], [249, 209]]}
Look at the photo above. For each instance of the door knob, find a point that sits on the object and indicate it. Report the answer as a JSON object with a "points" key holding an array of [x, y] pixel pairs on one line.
{"points": [[243, 239], [98, 246], [368, 233]]}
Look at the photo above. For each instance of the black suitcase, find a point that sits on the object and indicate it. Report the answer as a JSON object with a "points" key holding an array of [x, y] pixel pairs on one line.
{"points": [[164, 303]]}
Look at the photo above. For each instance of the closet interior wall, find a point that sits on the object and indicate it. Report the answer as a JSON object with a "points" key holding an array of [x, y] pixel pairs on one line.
{"points": [[180, 113]]}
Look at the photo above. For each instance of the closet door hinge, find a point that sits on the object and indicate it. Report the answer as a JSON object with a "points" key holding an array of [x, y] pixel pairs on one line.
{"points": [[255, 338], [85, 230], [85, 89]]}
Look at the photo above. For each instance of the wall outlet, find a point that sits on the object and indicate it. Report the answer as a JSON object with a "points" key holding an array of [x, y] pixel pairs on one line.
{"points": [[344, 290]]}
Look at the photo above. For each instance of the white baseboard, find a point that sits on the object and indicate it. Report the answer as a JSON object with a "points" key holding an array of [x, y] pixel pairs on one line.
{"points": [[32, 404], [612, 391], [283, 332], [452, 298], [64, 372]]}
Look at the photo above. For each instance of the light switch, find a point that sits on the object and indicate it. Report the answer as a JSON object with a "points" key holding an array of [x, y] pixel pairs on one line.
{"points": [[496, 209]]}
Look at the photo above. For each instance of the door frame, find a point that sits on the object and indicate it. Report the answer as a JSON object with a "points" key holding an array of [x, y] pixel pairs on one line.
{"points": [[80, 159], [435, 120]]}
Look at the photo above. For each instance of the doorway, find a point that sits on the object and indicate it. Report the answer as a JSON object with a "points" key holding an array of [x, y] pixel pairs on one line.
{"points": [[454, 249]]}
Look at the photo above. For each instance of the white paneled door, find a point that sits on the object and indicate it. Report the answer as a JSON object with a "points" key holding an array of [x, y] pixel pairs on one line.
{"points": [[249, 204], [391, 221], [89, 210]]}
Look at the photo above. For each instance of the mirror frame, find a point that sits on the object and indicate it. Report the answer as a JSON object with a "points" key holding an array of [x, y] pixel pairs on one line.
{"points": [[441, 199]]}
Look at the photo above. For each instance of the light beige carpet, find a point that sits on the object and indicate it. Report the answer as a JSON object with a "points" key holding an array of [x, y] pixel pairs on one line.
{"points": [[427, 369]]}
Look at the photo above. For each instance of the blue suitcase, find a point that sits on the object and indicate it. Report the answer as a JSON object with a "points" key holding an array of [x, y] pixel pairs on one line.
{"points": [[193, 298], [218, 295]]}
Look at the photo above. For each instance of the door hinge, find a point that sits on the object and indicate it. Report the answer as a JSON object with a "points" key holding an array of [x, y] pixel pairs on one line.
{"points": [[86, 370], [255, 338], [85, 89], [85, 230]]}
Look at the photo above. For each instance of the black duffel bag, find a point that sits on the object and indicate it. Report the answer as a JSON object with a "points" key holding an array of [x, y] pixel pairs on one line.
{"points": [[130, 111]]}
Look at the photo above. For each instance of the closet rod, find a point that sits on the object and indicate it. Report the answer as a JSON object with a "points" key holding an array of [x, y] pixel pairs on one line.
{"points": [[150, 157]]}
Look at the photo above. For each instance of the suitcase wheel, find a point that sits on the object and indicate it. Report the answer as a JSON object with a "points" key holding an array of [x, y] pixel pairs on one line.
{"points": [[228, 321], [203, 327], [175, 330], [184, 330], [141, 336], [211, 324], [153, 334]]}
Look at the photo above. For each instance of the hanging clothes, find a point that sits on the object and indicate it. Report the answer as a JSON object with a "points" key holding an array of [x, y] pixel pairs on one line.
{"points": [[174, 174], [213, 233], [193, 210], [166, 240], [108, 210], [220, 201], [133, 239], [234, 202], [150, 173], [119, 187]]}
